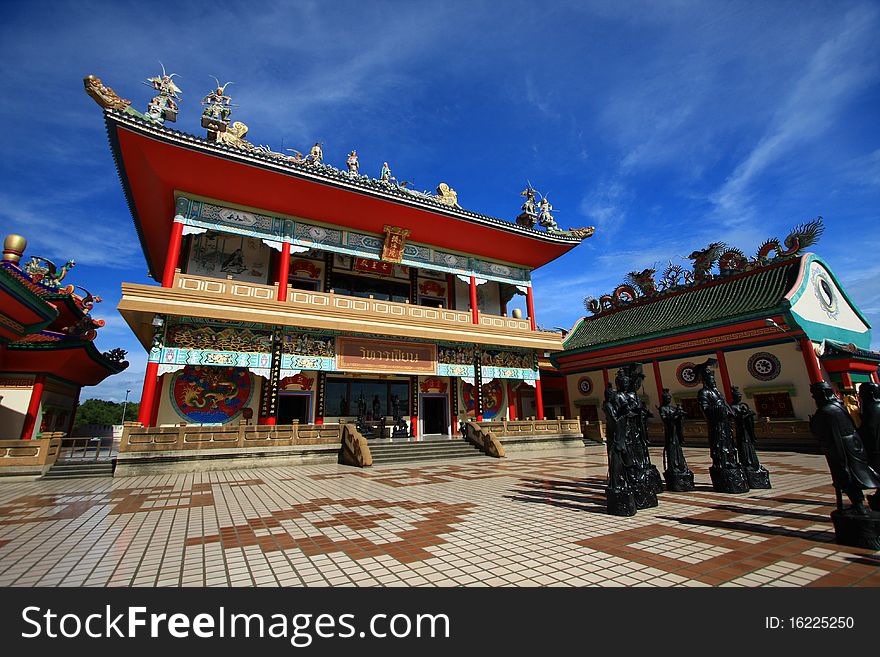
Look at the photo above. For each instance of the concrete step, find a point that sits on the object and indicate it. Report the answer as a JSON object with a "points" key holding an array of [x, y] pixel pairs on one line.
{"points": [[422, 451], [80, 470]]}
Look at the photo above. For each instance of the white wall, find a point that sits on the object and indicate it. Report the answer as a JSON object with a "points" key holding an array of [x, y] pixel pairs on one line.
{"points": [[13, 408]]}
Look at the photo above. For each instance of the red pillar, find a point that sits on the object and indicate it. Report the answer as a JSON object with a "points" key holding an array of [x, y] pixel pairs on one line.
{"points": [[659, 381], [173, 254], [157, 399], [283, 271], [475, 311], [810, 360], [875, 377], [530, 306], [568, 411], [725, 375], [846, 380], [30, 420], [605, 378], [539, 400], [414, 420], [450, 291], [511, 403], [148, 396]]}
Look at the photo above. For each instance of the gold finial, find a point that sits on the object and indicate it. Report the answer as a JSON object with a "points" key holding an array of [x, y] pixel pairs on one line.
{"points": [[13, 247]]}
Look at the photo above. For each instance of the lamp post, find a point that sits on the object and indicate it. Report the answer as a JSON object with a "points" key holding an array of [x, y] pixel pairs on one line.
{"points": [[125, 405]]}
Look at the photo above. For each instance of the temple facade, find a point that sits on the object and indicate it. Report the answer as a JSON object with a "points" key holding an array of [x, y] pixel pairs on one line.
{"points": [[775, 324], [291, 291]]}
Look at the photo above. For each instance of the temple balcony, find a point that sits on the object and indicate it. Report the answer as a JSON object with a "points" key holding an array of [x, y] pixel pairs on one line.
{"points": [[212, 298]]}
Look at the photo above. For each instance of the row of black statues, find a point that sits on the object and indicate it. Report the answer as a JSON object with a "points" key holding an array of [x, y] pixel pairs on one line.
{"points": [[400, 428], [853, 457], [633, 481]]}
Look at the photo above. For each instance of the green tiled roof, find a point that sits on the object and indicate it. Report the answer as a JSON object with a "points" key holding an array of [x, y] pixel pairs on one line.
{"points": [[757, 292]]}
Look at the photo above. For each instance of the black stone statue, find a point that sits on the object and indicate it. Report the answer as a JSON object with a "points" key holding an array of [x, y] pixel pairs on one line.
{"points": [[850, 470], [676, 472], [627, 409], [618, 493], [640, 429], [400, 430], [361, 422], [744, 418], [869, 431], [726, 473]]}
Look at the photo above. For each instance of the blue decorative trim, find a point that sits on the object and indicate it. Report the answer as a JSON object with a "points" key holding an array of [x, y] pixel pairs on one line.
{"points": [[446, 369], [184, 356], [492, 372], [297, 362]]}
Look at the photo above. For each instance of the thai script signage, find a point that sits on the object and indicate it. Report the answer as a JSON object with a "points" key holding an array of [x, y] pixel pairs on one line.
{"points": [[368, 355]]}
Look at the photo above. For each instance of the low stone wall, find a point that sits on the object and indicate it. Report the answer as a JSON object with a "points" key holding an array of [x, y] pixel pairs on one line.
{"points": [[785, 435], [195, 448], [188, 437], [534, 434], [29, 457]]}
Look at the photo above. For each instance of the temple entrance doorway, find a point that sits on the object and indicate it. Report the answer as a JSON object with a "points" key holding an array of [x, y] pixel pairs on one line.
{"points": [[434, 416], [293, 406]]}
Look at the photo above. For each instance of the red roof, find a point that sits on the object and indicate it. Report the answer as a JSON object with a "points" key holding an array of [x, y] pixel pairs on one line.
{"points": [[155, 162]]}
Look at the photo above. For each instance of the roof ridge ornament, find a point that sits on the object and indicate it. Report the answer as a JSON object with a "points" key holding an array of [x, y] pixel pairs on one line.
{"points": [[163, 107], [730, 260], [538, 214]]}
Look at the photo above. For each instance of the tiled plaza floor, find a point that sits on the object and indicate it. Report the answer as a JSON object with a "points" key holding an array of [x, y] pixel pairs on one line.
{"points": [[531, 519]]}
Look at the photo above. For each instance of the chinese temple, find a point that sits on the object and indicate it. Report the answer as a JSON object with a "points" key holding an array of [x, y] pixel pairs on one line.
{"points": [[775, 323], [47, 349], [294, 292]]}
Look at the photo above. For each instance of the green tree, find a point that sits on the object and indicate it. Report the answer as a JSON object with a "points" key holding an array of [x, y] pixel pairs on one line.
{"points": [[99, 411]]}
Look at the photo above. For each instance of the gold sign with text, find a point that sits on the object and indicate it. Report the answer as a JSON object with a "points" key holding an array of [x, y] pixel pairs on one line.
{"points": [[368, 355]]}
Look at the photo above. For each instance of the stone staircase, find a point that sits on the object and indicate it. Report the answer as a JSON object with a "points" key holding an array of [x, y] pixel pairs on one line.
{"points": [[80, 470], [428, 450]]}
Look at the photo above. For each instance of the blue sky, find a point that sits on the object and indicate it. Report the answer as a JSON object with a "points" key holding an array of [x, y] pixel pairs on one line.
{"points": [[667, 125]]}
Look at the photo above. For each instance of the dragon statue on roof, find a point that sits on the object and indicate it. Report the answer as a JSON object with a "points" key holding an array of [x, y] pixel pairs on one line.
{"points": [[44, 271], [729, 260]]}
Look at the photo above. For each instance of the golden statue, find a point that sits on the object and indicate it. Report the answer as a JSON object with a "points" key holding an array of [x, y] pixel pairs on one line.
{"points": [[447, 195]]}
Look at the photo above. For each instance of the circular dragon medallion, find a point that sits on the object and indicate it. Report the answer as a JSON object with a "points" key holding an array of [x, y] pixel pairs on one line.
{"points": [[211, 395], [687, 374], [764, 366], [493, 397], [585, 386], [824, 291]]}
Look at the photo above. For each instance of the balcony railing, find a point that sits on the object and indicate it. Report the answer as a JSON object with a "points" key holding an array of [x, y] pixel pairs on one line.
{"points": [[369, 310]]}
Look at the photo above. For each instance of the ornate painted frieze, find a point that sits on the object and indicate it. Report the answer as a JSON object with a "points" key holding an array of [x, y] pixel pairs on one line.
{"points": [[518, 373], [503, 358], [456, 355], [181, 356], [204, 337], [462, 371], [198, 216], [307, 344], [298, 362]]}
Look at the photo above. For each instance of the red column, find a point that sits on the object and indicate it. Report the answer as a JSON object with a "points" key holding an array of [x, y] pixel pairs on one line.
{"points": [[659, 381], [475, 311], [283, 271], [157, 399], [605, 378], [173, 254], [530, 306], [30, 420], [875, 377], [568, 411], [539, 400], [148, 396], [810, 360], [846, 380], [450, 291], [725, 375], [414, 420], [511, 403]]}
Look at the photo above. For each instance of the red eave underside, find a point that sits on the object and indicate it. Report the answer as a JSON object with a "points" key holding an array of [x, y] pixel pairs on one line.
{"points": [[74, 365], [155, 170], [14, 308]]}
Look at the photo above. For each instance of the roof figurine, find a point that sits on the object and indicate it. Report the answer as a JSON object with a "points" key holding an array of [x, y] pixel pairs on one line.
{"points": [[385, 174], [316, 154], [45, 272], [352, 163], [163, 107], [529, 215], [218, 108], [544, 216]]}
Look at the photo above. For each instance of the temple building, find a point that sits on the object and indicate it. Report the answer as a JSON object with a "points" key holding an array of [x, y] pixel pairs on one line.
{"points": [[47, 349], [775, 324], [291, 291]]}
